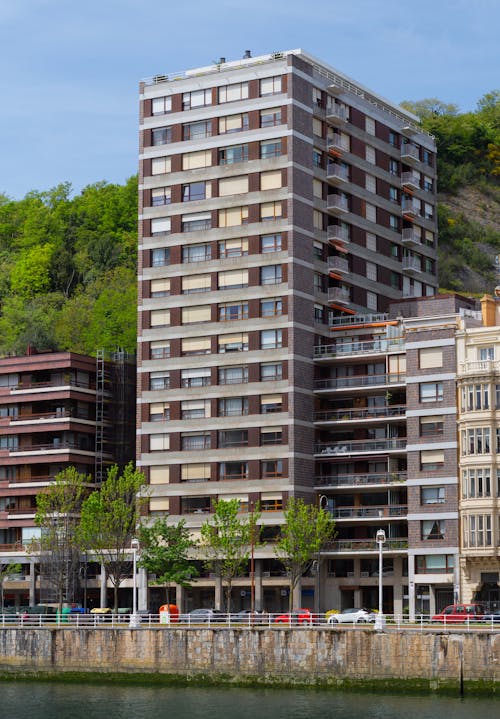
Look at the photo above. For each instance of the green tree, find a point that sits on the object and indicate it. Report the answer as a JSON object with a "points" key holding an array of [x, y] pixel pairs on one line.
{"points": [[165, 553], [109, 520], [58, 548], [5, 571], [226, 539], [306, 531]]}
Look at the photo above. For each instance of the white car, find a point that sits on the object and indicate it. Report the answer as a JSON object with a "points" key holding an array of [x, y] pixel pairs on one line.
{"points": [[352, 616]]}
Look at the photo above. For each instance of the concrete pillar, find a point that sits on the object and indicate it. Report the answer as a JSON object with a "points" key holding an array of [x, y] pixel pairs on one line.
{"points": [[104, 595], [179, 597], [142, 581], [358, 598], [411, 586], [218, 594], [398, 598], [297, 595], [32, 587], [259, 592], [432, 599]]}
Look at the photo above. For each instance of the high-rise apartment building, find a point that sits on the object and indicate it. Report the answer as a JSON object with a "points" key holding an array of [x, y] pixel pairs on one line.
{"points": [[276, 196]]}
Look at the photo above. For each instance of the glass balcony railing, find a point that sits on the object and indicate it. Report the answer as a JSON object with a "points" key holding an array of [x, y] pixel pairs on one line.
{"points": [[354, 381], [348, 415], [361, 480], [358, 446], [384, 511], [343, 349]]}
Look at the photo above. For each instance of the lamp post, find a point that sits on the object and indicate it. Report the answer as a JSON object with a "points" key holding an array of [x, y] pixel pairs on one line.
{"points": [[380, 619], [134, 617]]}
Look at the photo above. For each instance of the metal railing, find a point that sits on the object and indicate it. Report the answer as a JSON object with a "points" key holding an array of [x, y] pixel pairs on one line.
{"points": [[371, 380], [346, 415], [346, 480], [384, 511], [360, 445], [341, 349], [359, 319]]}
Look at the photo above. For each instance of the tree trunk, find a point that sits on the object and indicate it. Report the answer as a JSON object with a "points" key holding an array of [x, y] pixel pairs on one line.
{"points": [[115, 595]]}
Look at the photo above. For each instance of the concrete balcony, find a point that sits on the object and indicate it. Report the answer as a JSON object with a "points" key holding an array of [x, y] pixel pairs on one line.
{"points": [[480, 367], [347, 349], [334, 144], [392, 511], [360, 382], [368, 414], [365, 546], [337, 233], [410, 238], [359, 320], [410, 153], [337, 204], [361, 446], [411, 265], [339, 294], [338, 265], [409, 207], [410, 179], [337, 173], [373, 479], [336, 115]]}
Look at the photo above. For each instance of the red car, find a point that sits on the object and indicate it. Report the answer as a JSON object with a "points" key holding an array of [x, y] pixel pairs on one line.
{"points": [[460, 614], [298, 616]]}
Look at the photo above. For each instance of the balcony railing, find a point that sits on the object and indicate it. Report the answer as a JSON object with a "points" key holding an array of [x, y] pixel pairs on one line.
{"points": [[337, 203], [337, 233], [411, 264], [410, 237], [480, 367], [370, 545], [57, 414], [360, 480], [59, 383], [357, 446], [409, 151], [352, 348], [50, 446], [371, 380], [339, 294], [336, 113], [338, 264], [409, 207], [410, 179], [383, 511], [359, 319], [334, 142], [346, 415], [337, 172]]}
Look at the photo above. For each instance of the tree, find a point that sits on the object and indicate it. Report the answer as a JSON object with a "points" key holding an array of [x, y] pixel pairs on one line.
{"points": [[5, 571], [226, 539], [58, 547], [165, 553], [109, 520], [306, 531]]}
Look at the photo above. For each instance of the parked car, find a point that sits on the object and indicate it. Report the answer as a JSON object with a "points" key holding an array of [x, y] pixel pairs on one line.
{"points": [[460, 613], [298, 616], [352, 616], [247, 616], [196, 616], [493, 616]]}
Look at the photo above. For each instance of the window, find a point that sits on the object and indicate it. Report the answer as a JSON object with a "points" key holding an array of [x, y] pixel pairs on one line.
{"points": [[271, 339], [271, 403], [195, 473], [160, 226], [372, 301], [196, 98], [271, 307], [271, 371], [233, 185], [196, 253], [393, 139], [478, 530], [159, 380], [431, 459], [430, 357], [160, 349], [370, 183], [160, 288], [160, 318], [233, 375], [270, 117], [270, 180], [370, 155], [232, 279], [195, 346], [159, 442], [233, 216], [393, 194], [161, 196], [270, 85], [426, 157], [432, 495], [236, 342], [393, 167], [196, 130], [159, 411], [161, 135], [160, 256], [317, 158], [271, 435], [370, 125], [432, 529], [319, 313], [195, 440], [237, 247], [271, 468], [233, 154], [270, 275], [196, 313], [476, 483], [198, 377], [270, 243], [271, 211], [233, 123], [431, 392], [196, 191], [196, 222], [160, 165], [370, 212], [435, 564], [476, 440], [234, 92], [195, 408], [394, 223], [195, 160], [233, 311], [371, 241], [371, 271], [428, 211], [431, 425], [317, 127], [159, 475], [233, 470], [486, 354], [196, 283], [270, 148], [233, 438], [161, 105], [233, 406]]}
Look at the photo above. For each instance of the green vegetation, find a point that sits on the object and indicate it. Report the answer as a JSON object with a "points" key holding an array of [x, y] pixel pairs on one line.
{"points": [[69, 269]]}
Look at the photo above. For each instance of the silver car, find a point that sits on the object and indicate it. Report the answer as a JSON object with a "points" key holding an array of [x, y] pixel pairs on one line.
{"points": [[352, 616]]}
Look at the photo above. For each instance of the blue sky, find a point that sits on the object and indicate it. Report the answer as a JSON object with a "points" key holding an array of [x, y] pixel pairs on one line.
{"points": [[70, 70]]}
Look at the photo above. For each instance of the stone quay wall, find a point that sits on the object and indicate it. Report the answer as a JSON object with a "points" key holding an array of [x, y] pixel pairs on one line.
{"points": [[281, 655]]}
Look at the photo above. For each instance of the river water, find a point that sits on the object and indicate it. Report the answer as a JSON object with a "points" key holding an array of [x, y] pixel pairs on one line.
{"points": [[42, 700]]}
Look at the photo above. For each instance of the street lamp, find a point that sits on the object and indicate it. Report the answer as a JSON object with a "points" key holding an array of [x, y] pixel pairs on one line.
{"points": [[134, 617], [380, 619]]}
